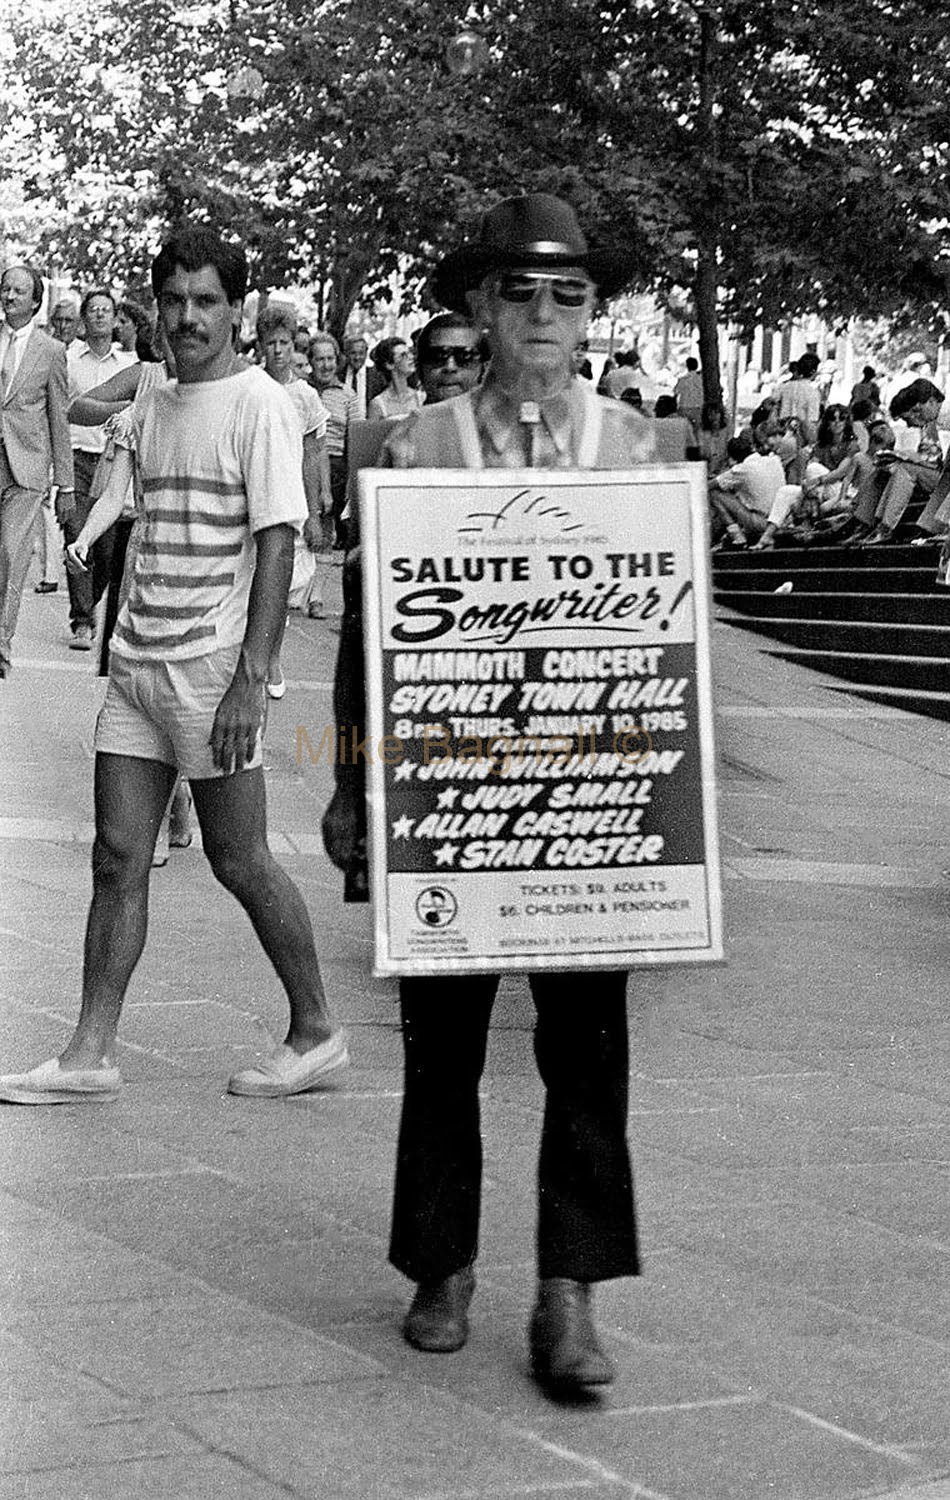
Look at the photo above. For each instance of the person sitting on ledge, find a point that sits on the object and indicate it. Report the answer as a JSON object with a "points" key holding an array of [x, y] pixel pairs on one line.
{"points": [[741, 498], [868, 479], [919, 405], [827, 479]]}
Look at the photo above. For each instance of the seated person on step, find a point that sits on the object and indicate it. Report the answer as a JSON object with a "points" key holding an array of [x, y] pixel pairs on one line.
{"points": [[741, 498], [827, 478], [916, 468]]}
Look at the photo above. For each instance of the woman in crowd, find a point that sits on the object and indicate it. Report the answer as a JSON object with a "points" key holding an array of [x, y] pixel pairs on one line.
{"points": [[394, 359], [834, 453], [828, 473], [868, 479], [133, 330]]}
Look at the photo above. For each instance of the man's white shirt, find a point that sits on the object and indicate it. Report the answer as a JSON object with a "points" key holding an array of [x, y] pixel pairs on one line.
{"points": [[18, 336], [85, 370], [356, 382]]}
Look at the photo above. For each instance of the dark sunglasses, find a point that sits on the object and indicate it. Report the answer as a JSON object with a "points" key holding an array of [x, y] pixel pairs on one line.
{"points": [[442, 353], [522, 287]]}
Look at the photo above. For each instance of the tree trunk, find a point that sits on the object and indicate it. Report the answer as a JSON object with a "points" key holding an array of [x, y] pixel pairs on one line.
{"points": [[707, 276], [706, 297], [348, 276]]}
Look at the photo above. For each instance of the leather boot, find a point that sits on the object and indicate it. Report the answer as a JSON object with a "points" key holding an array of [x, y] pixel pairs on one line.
{"points": [[437, 1321], [565, 1351]]}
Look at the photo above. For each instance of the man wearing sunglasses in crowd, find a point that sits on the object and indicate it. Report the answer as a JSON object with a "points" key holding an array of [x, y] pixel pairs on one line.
{"points": [[450, 357], [530, 282]]}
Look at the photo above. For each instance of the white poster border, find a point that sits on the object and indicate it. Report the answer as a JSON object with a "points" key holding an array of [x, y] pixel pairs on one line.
{"points": [[390, 486]]}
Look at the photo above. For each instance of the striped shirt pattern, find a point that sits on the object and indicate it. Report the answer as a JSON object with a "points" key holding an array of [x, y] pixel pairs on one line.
{"points": [[219, 461], [342, 408]]}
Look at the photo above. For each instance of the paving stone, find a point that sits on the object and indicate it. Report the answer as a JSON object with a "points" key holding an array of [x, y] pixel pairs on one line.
{"points": [[865, 1269], [51, 1434], [168, 1023], [735, 1452], [27, 1376], [45, 1262], [434, 1447], [939, 1489], [202, 1477], [68, 1146], [883, 1193], [193, 1343]]}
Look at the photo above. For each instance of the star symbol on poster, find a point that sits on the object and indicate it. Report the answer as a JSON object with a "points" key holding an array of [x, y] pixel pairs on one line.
{"points": [[446, 855], [403, 771], [447, 798], [402, 828]]}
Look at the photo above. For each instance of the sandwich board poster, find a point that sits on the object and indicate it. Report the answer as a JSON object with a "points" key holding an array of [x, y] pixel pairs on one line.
{"points": [[540, 731]]}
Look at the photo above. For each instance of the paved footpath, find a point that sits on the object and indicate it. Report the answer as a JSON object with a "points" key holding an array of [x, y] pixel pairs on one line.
{"points": [[194, 1295]]}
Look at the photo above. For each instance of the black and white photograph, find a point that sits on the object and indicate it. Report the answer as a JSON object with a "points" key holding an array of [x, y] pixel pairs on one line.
{"points": [[475, 745]]}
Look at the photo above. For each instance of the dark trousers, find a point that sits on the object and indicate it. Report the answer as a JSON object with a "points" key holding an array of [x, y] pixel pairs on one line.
{"points": [[338, 482], [86, 590], [586, 1229]]}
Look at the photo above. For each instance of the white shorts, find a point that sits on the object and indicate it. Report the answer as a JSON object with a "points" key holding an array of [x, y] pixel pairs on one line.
{"points": [[164, 710]]}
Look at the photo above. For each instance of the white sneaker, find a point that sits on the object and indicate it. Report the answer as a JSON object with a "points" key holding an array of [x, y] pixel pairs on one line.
{"points": [[285, 1072], [49, 1083]]}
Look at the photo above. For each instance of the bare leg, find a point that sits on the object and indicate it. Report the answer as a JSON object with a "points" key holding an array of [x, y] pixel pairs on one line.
{"points": [[233, 817], [130, 799], [750, 521]]}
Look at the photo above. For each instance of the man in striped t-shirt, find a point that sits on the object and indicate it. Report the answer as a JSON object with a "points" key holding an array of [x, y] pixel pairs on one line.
{"points": [[219, 453]]}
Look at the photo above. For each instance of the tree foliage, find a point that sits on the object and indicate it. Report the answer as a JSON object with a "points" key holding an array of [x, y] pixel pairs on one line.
{"points": [[764, 161]]}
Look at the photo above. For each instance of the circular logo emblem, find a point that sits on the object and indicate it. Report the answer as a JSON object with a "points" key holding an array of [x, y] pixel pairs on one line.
{"points": [[436, 907]]}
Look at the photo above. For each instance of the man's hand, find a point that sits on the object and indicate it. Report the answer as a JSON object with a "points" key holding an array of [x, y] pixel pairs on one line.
{"points": [[64, 505], [343, 826], [238, 720], [76, 554], [313, 533]]}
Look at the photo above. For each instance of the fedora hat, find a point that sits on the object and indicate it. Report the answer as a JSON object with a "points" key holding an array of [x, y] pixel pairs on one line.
{"points": [[535, 230]]}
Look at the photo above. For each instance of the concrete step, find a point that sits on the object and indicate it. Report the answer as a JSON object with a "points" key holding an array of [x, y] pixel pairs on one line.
{"points": [[862, 638], [918, 675], [765, 577], [934, 705], [880, 609], [870, 558]]}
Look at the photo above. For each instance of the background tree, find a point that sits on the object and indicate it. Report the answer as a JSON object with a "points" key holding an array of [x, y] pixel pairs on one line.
{"points": [[762, 162]]}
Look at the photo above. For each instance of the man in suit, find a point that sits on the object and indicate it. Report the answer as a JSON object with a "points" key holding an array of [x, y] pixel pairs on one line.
{"points": [[530, 280], [90, 363], [363, 379], [34, 437]]}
